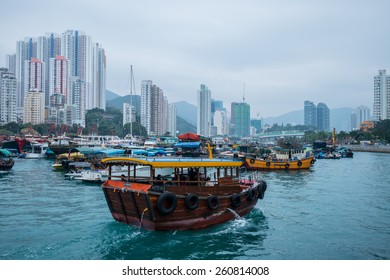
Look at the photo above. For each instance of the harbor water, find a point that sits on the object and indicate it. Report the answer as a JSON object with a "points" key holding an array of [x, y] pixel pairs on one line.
{"points": [[339, 210]]}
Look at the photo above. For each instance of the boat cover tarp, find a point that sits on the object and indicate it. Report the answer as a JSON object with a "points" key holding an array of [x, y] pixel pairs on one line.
{"points": [[189, 136], [5, 153], [188, 145]]}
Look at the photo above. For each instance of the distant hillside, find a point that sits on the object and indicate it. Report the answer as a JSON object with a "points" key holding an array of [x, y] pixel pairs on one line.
{"points": [[186, 111], [117, 103], [111, 95], [340, 118], [183, 126], [293, 118]]}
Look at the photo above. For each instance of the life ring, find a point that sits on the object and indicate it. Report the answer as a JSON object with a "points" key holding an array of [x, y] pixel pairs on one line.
{"points": [[251, 195], [252, 160], [235, 200], [242, 170], [262, 187], [166, 203], [268, 163], [287, 166], [299, 163], [212, 202], [191, 201]]}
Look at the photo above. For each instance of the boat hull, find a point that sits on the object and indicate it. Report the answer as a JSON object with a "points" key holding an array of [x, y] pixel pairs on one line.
{"points": [[141, 208], [260, 164]]}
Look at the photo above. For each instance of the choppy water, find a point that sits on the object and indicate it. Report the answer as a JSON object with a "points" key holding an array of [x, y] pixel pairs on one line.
{"points": [[338, 210]]}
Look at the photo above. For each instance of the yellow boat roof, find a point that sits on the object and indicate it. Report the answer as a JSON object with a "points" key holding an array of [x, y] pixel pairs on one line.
{"points": [[166, 162]]}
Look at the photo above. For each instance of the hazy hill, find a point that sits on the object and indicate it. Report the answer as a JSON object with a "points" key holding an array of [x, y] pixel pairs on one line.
{"points": [[340, 118], [186, 111], [183, 126], [111, 95]]}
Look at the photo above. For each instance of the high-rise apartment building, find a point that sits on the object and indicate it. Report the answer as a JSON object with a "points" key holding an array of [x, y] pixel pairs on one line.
{"points": [[34, 108], [381, 96], [172, 114], [86, 62], [11, 63], [361, 114], [204, 111], [310, 114], [154, 109], [318, 116], [146, 103], [8, 92], [241, 116], [34, 75], [323, 117], [221, 122], [128, 113]]}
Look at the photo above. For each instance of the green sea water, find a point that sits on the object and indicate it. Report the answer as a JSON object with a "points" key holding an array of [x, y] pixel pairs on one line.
{"points": [[338, 210]]}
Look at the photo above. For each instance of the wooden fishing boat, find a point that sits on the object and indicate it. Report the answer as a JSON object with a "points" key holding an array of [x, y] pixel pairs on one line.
{"points": [[6, 160], [266, 164], [201, 192]]}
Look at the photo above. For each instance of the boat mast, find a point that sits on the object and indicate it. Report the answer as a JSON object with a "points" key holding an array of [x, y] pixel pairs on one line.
{"points": [[132, 86]]}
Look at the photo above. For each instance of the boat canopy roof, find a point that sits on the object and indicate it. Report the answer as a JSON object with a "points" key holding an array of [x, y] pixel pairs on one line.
{"points": [[162, 162], [98, 150], [5, 153]]}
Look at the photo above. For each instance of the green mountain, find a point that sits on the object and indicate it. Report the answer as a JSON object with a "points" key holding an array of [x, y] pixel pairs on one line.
{"points": [[111, 95], [186, 111], [183, 126]]}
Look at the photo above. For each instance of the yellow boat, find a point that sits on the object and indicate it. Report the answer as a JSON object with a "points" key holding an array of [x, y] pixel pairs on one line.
{"points": [[264, 164]]}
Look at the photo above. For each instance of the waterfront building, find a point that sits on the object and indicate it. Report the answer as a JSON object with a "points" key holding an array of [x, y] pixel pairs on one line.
{"points": [[381, 96], [366, 125], [8, 93], [128, 113], [310, 114], [34, 108], [241, 116], [323, 117], [204, 111]]}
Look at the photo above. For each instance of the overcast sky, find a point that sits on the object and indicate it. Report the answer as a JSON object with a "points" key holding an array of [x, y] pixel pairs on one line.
{"points": [[285, 52]]}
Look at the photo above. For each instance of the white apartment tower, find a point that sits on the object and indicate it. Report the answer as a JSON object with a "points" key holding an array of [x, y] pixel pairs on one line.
{"points": [[34, 75], [381, 96], [128, 113], [204, 111], [146, 103], [34, 108], [8, 92], [172, 113]]}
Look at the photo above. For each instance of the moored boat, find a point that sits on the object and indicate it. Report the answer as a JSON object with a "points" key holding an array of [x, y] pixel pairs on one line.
{"points": [[282, 159], [264, 164], [6, 160], [201, 193]]}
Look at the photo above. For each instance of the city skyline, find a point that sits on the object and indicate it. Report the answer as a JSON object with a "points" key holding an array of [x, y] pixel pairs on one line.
{"points": [[284, 53]]}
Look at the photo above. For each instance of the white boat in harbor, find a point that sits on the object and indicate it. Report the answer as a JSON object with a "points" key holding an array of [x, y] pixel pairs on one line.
{"points": [[35, 151], [101, 175]]}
